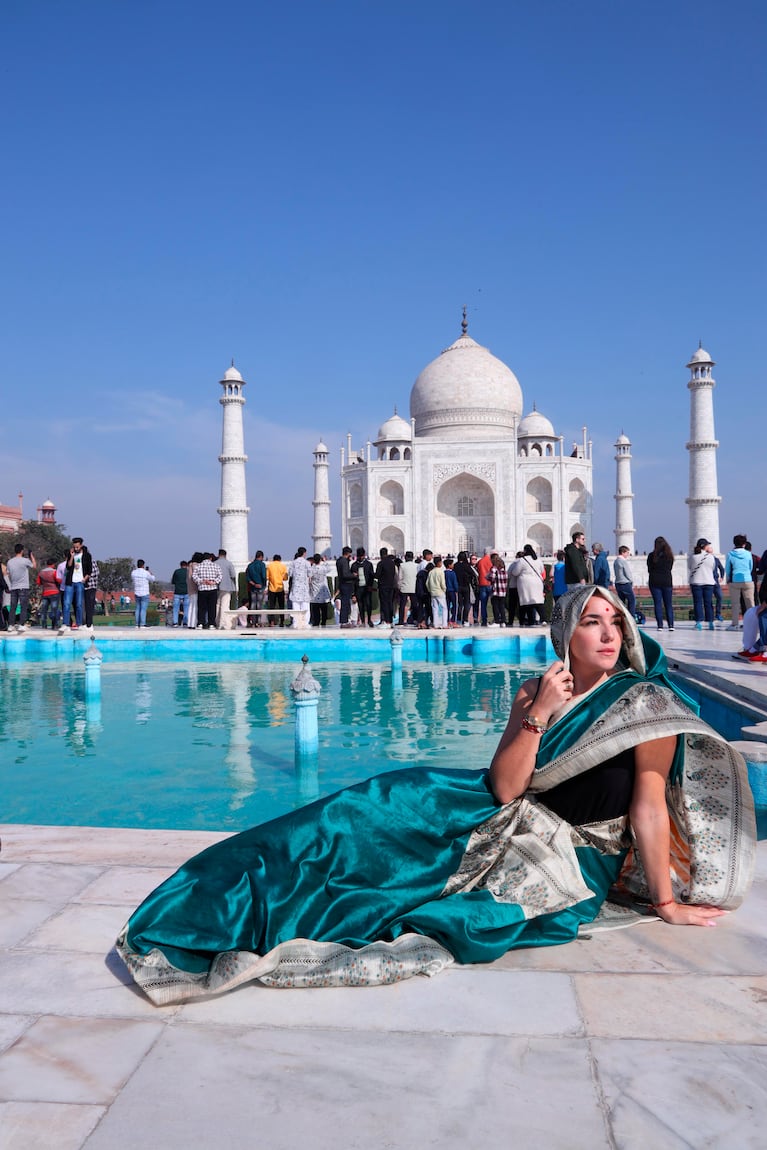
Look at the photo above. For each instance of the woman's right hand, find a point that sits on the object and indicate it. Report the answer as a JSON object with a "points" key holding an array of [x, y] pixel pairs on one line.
{"points": [[554, 692], [689, 914]]}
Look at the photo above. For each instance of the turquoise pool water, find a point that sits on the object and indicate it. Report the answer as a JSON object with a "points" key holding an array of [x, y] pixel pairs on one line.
{"points": [[201, 735], [200, 746]]}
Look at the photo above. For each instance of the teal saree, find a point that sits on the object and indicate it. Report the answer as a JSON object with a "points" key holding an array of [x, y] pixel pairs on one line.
{"points": [[416, 869]]}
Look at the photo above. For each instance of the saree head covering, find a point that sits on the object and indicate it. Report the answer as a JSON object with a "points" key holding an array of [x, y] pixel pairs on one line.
{"points": [[566, 616]]}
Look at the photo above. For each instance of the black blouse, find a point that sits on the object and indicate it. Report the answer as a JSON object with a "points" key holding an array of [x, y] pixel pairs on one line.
{"points": [[604, 792]]}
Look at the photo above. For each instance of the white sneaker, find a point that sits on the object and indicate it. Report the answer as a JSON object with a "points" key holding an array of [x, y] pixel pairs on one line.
{"points": [[20, 627], [734, 627]]}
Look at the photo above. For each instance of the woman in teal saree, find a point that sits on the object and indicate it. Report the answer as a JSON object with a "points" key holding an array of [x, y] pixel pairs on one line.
{"points": [[605, 782]]}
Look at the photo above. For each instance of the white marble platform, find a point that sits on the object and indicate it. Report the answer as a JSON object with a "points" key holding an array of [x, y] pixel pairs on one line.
{"points": [[651, 1036]]}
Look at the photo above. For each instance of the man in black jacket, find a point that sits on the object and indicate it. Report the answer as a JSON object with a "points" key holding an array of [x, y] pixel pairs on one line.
{"points": [[362, 570], [576, 562], [386, 578], [346, 582]]}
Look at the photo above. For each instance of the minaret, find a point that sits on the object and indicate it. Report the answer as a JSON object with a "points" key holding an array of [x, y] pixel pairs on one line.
{"points": [[234, 509], [624, 496], [321, 502], [703, 500]]}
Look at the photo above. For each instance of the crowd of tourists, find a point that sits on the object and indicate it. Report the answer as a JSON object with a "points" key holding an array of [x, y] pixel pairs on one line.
{"points": [[424, 591]]}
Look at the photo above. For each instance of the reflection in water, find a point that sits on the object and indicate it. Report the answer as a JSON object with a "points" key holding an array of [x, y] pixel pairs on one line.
{"points": [[237, 759], [213, 746], [278, 706], [307, 778], [143, 698]]}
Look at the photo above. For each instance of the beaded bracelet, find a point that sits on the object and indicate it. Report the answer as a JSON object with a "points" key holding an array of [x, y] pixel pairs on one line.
{"points": [[658, 905], [530, 724]]}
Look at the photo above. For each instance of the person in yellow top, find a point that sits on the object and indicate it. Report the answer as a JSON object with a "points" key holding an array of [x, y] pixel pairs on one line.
{"points": [[276, 574]]}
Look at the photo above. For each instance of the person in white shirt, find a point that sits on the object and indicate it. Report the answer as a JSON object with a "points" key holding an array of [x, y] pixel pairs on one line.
{"points": [[141, 577]]}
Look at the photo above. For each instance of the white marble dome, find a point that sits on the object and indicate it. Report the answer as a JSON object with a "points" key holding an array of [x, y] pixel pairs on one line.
{"points": [[466, 394], [537, 425], [395, 428], [700, 356], [232, 375], [321, 448]]}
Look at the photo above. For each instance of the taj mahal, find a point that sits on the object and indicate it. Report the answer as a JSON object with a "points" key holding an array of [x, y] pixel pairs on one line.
{"points": [[469, 471]]}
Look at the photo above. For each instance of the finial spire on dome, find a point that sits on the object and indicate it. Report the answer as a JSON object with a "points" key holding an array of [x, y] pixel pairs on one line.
{"points": [[464, 322]]}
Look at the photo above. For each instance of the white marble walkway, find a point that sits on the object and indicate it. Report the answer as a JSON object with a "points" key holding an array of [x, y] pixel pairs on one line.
{"points": [[651, 1036]]}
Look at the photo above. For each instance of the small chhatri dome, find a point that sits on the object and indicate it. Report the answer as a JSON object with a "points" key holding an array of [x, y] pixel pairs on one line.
{"points": [[395, 428], [49, 503], [466, 393], [232, 375], [321, 447], [700, 356], [622, 440], [536, 425]]}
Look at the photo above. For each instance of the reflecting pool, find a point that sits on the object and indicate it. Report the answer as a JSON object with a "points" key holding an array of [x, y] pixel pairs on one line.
{"points": [[203, 746]]}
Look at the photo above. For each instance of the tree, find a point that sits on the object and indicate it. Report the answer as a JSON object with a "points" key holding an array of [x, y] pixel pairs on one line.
{"points": [[114, 574], [45, 540]]}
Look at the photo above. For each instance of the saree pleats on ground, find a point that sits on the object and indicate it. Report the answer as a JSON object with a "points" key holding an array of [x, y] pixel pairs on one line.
{"points": [[415, 869]]}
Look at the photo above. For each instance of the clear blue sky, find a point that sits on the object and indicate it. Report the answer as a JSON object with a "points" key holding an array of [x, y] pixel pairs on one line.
{"points": [[316, 188]]}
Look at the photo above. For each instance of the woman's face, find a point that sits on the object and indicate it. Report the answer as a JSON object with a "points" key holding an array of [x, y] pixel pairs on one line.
{"points": [[596, 641]]}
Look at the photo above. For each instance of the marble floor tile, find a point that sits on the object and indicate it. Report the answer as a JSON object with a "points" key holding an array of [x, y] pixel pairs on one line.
{"points": [[75, 1059], [41, 1125], [680, 1096], [20, 916], [124, 885], [7, 868], [683, 1008], [48, 882], [114, 846], [11, 1026], [325, 1090], [467, 1001], [83, 927], [71, 984]]}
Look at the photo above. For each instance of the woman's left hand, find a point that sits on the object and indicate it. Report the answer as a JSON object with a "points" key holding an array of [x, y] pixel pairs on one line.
{"points": [[684, 914]]}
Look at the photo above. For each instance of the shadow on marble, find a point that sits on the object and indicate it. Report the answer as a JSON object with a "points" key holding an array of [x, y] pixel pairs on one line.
{"points": [[68, 983]]}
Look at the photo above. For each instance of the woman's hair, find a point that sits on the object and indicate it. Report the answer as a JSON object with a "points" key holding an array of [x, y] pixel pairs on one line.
{"points": [[529, 550], [197, 557], [698, 549], [463, 557], [662, 549]]}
